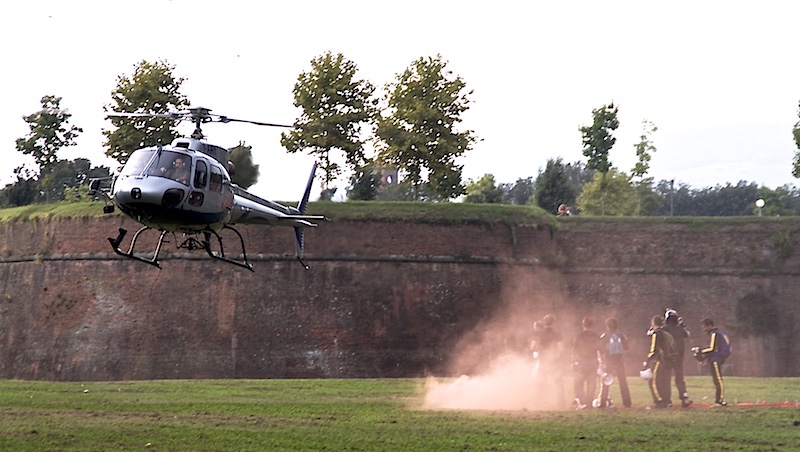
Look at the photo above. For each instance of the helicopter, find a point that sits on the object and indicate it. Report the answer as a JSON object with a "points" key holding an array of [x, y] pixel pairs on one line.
{"points": [[185, 188]]}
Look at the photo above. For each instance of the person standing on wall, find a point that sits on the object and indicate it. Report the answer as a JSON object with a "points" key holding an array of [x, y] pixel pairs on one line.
{"points": [[659, 360], [615, 344], [718, 350], [675, 326], [585, 362]]}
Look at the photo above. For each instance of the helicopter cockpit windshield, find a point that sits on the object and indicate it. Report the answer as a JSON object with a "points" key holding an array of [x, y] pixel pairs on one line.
{"points": [[169, 164]]}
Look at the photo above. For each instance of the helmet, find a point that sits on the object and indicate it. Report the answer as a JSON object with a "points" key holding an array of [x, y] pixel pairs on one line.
{"points": [[670, 312], [608, 379], [646, 374]]}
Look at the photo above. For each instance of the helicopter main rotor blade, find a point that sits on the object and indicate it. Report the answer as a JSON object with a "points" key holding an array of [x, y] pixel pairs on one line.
{"points": [[225, 119], [175, 116]]}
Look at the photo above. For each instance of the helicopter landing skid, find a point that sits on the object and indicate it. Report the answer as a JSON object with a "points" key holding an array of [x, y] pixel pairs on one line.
{"points": [[190, 244], [206, 245], [117, 241]]}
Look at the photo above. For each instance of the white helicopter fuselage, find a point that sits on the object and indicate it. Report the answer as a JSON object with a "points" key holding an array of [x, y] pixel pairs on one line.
{"points": [[184, 187]]}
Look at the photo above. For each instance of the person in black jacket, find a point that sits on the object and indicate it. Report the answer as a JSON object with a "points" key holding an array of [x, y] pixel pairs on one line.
{"points": [[585, 363], [675, 326]]}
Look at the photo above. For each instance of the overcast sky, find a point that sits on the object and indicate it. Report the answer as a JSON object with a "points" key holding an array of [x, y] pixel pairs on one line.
{"points": [[718, 78]]}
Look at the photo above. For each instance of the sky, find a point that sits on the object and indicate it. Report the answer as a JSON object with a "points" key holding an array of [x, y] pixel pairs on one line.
{"points": [[718, 78]]}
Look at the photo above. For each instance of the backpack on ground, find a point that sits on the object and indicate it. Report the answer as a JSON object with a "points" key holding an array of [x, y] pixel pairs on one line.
{"points": [[615, 345]]}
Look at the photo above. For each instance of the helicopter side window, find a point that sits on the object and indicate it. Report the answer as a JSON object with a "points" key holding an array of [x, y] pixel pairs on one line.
{"points": [[200, 174], [216, 179]]}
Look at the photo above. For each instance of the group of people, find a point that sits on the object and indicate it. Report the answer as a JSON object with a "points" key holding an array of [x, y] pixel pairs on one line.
{"points": [[600, 357]]}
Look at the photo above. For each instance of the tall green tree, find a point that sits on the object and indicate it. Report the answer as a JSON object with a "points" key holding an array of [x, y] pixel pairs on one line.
{"points": [[49, 132], [598, 141], [796, 133], [335, 107], [419, 134], [484, 191], [609, 194], [552, 187], [245, 172], [152, 89], [644, 152]]}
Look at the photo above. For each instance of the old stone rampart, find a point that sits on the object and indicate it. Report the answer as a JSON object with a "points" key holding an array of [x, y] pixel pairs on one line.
{"points": [[384, 299]]}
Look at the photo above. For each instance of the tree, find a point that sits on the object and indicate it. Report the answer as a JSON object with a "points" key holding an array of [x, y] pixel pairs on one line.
{"points": [[245, 172], [796, 133], [66, 181], [49, 132], [419, 136], [598, 141], [727, 200], [335, 106], [552, 186], [152, 89], [364, 184], [519, 193], [644, 151], [775, 201], [484, 191], [610, 193], [23, 192]]}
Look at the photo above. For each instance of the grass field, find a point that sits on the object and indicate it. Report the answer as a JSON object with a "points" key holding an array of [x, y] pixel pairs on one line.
{"points": [[380, 414]]}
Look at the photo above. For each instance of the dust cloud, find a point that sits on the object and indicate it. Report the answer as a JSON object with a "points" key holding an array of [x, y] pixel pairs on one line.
{"points": [[509, 384], [492, 368]]}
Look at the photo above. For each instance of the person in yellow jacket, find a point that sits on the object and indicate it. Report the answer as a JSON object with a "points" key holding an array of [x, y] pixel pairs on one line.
{"points": [[660, 360]]}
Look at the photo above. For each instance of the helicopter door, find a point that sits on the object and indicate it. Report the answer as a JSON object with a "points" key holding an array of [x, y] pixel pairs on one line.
{"points": [[214, 191], [200, 180]]}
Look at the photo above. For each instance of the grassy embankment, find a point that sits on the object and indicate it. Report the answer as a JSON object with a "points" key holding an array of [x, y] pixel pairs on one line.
{"points": [[378, 211], [452, 213], [371, 415]]}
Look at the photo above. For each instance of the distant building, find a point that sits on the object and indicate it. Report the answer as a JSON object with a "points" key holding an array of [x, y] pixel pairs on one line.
{"points": [[388, 174]]}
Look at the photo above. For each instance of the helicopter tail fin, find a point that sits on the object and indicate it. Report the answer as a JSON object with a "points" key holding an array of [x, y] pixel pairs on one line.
{"points": [[304, 202]]}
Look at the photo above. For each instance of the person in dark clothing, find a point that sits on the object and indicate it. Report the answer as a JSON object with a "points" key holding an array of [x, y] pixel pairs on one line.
{"points": [[614, 345], [659, 360], [715, 354], [675, 326], [586, 360], [550, 348]]}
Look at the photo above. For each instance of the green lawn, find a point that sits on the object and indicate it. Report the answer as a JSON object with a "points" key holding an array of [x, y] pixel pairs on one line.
{"points": [[366, 414]]}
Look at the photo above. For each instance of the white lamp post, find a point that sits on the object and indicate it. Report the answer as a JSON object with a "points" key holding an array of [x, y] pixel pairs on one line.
{"points": [[759, 204]]}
